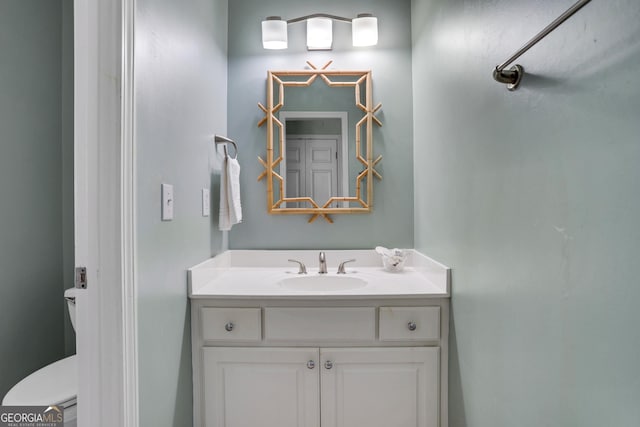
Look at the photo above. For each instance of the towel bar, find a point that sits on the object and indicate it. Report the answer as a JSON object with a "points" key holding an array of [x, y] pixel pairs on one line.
{"points": [[219, 139], [512, 76]]}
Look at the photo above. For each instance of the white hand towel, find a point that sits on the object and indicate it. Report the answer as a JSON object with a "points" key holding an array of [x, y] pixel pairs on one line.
{"points": [[233, 181], [230, 207]]}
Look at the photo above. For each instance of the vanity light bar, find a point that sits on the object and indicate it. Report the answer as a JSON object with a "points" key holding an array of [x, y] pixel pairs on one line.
{"points": [[319, 30]]}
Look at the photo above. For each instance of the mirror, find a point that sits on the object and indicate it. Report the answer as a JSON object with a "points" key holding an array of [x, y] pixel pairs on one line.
{"points": [[319, 151]]}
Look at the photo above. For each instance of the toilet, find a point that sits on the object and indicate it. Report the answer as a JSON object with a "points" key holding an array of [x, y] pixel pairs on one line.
{"points": [[55, 384]]}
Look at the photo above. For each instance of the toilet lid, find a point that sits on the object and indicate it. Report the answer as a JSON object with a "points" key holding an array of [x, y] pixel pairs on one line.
{"points": [[55, 384]]}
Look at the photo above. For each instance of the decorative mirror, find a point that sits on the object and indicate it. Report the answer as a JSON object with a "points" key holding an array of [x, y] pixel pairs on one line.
{"points": [[314, 165]]}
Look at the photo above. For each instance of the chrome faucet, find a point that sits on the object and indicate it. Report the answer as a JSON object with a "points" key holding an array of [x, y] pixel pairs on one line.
{"points": [[323, 264], [302, 269], [341, 269]]}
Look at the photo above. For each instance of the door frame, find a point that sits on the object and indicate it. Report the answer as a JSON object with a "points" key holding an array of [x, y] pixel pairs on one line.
{"points": [[104, 197]]}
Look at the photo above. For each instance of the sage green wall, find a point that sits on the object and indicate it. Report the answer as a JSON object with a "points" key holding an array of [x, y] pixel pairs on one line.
{"points": [[181, 100], [532, 198], [391, 222], [314, 127], [35, 122]]}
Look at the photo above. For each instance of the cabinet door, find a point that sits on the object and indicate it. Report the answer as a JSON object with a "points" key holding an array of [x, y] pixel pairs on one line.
{"points": [[380, 387], [266, 387]]}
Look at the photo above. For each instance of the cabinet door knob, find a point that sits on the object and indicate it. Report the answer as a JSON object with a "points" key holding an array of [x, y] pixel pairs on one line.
{"points": [[328, 364], [229, 326], [311, 364], [412, 326]]}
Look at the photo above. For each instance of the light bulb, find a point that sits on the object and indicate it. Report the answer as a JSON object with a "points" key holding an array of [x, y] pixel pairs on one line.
{"points": [[365, 30], [274, 33], [319, 33]]}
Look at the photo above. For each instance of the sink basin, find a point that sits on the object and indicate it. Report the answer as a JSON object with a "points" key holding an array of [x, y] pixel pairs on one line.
{"points": [[322, 283]]}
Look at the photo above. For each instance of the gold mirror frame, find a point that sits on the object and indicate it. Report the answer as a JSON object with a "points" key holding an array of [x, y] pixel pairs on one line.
{"points": [[303, 78]]}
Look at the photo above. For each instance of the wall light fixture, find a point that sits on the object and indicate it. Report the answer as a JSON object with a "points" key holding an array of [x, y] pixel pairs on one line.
{"points": [[320, 30]]}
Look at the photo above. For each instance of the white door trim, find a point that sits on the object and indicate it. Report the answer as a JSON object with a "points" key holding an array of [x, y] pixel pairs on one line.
{"points": [[128, 158], [105, 212]]}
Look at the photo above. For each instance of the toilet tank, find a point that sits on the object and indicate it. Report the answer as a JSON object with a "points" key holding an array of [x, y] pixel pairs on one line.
{"points": [[70, 297]]}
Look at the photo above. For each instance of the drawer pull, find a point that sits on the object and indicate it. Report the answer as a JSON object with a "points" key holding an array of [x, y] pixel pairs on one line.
{"points": [[412, 326], [311, 364], [328, 364], [229, 326]]}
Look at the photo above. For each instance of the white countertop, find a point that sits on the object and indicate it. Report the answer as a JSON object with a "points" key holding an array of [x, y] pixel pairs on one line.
{"points": [[259, 274]]}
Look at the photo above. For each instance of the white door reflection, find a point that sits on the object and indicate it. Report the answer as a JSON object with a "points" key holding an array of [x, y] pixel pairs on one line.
{"points": [[316, 160]]}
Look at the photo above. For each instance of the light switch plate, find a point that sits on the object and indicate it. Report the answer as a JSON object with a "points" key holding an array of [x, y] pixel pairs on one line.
{"points": [[167, 202], [206, 202]]}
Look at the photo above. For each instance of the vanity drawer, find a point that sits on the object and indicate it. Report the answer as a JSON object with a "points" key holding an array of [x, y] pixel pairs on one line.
{"points": [[231, 324], [330, 324], [409, 323]]}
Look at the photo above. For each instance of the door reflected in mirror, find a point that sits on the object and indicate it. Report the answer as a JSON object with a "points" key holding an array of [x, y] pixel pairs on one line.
{"points": [[316, 156]]}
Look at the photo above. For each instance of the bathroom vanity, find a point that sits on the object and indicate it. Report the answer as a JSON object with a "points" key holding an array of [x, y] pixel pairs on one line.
{"points": [[272, 347]]}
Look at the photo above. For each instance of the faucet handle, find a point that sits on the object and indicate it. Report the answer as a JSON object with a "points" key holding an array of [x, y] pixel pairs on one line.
{"points": [[303, 269], [341, 266]]}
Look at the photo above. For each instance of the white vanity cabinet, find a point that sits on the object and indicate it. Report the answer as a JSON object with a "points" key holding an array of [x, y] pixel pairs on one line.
{"points": [[299, 387], [314, 363]]}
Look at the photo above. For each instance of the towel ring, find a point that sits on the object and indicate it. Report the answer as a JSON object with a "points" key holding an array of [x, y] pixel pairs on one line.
{"points": [[224, 140]]}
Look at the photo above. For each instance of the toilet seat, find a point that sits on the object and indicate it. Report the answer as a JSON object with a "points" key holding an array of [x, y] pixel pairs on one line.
{"points": [[55, 384]]}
